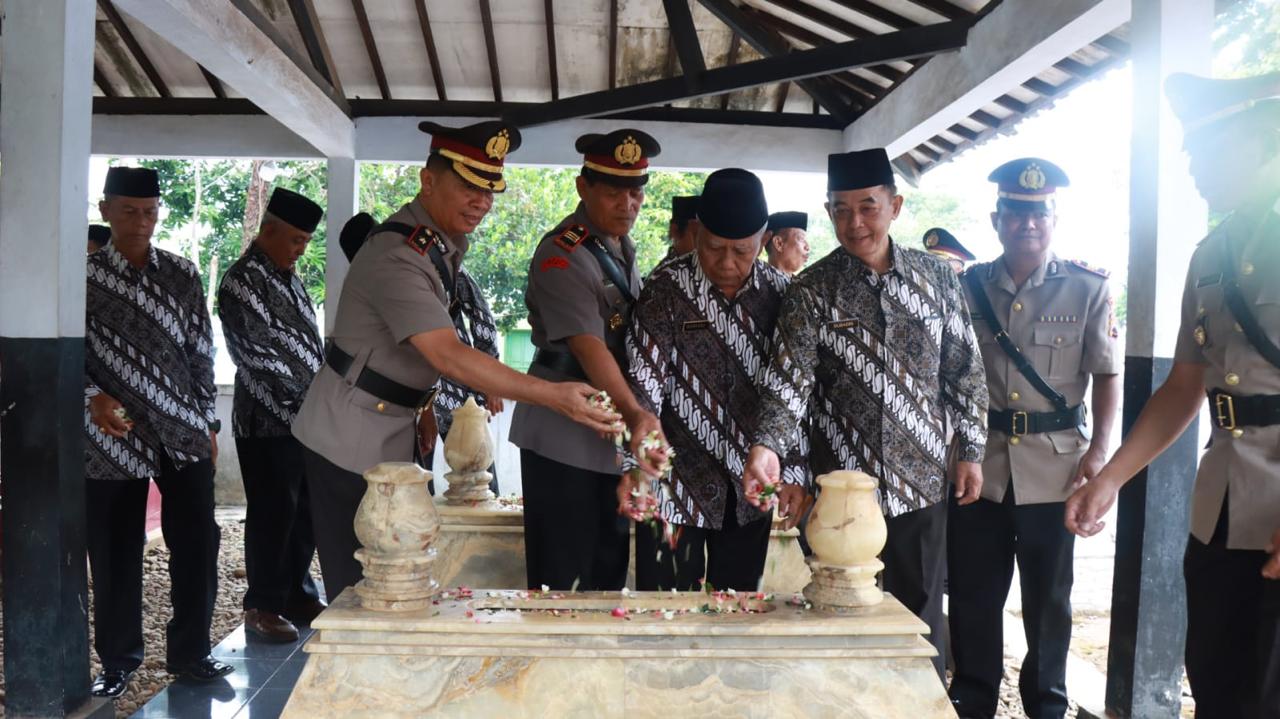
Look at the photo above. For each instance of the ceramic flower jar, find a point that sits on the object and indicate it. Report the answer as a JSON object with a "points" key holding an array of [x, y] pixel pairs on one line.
{"points": [[846, 531], [469, 451], [396, 523]]}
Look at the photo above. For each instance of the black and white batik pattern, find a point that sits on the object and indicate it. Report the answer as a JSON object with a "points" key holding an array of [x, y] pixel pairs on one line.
{"points": [[271, 332], [878, 361], [149, 345], [694, 356], [476, 328]]}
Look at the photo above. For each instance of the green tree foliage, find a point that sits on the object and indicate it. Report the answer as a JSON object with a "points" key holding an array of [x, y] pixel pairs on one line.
{"points": [[1247, 39], [536, 200]]}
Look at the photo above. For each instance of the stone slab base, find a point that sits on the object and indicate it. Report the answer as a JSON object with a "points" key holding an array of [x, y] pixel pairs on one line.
{"points": [[499, 655]]}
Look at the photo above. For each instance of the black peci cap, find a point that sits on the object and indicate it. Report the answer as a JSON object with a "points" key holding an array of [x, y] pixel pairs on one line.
{"points": [[1028, 181], [477, 151], [132, 182], [858, 170], [99, 235], [684, 208], [944, 244], [786, 220], [294, 209], [619, 158], [732, 204], [354, 233]]}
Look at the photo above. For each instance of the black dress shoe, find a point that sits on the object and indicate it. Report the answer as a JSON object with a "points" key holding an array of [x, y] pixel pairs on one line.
{"points": [[201, 670], [303, 614], [111, 684]]}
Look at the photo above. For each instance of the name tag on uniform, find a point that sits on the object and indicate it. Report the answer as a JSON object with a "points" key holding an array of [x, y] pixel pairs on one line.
{"points": [[694, 325], [842, 324], [1208, 280]]}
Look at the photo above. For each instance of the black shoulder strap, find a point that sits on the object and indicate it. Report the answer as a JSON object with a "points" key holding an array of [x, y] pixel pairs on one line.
{"points": [[1019, 360], [437, 258], [610, 267], [1240, 309]]}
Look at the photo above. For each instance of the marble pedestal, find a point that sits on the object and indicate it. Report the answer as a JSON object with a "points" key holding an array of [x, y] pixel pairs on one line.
{"points": [[497, 655], [482, 545]]}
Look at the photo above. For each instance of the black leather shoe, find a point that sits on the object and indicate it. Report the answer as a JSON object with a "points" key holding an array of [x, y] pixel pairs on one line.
{"points": [[111, 684], [201, 670], [302, 614]]}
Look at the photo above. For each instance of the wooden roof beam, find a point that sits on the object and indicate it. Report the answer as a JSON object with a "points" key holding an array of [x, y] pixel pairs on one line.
{"points": [[308, 22], [371, 46], [491, 49], [135, 49], [551, 49], [424, 22], [685, 37], [613, 44]]}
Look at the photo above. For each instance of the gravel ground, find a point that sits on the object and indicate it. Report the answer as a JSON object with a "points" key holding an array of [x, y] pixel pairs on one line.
{"points": [[227, 615]]}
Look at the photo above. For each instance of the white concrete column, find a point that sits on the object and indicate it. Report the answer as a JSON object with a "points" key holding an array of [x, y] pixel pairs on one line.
{"points": [[344, 201], [46, 80], [1166, 220]]}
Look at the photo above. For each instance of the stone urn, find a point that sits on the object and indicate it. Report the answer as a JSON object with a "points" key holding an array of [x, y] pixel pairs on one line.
{"points": [[846, 531], [469, 451], [396, 524]]}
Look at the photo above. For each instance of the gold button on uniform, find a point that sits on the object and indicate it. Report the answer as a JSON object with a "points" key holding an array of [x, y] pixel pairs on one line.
{"points": [[1014, 396], [1237, 433], [1200, 336], [382, 406], [1232, 379], [1014, 440], [1017, 306], [1246, 269]]}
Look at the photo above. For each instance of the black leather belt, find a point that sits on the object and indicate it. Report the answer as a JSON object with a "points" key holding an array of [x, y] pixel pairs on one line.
{"points": [[1018, 423], [563, 362], [379, 386], [1256, 410]]}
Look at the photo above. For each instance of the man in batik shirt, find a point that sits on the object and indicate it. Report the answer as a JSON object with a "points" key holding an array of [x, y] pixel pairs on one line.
{"points": [[150, 414], [271, 333], [699, 334], [878, 336]]}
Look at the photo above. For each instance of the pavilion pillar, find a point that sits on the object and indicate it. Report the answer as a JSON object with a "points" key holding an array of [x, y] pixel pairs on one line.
{"points": [[45, 90], [343, 200], [1167, 218]]}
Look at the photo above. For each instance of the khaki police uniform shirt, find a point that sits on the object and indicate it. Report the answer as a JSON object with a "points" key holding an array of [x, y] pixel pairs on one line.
{"points": [[391, 293], [1245, 469], [1062, 319], [569, 295]]}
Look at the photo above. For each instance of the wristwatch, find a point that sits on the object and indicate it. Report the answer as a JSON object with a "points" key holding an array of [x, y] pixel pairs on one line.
{"points": [[215, 426]]}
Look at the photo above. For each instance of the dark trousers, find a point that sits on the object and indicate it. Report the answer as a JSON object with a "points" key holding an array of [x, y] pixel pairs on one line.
{"points": [[1233, 630], [335, 495], [915, 560], [278, 543], [573, 534], [732, 557], [984, 539], [116, 538]]}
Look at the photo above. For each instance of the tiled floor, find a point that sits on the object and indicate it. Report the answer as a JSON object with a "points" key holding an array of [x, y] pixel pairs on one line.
{"points": [[257, 689]]}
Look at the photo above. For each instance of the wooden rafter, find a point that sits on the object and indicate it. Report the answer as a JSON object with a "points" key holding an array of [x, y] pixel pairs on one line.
{"points": [[878, 13], [783, 90], [943, 8], [135, 49], [424, 22], [491, 49], [308, 22], [685, 38], [1012, 104], [362, 19], [613, 44], [551, 50], [214, 83], [809, 37], [100, 79]]}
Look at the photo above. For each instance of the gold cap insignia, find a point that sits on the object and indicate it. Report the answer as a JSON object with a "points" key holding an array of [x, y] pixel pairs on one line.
{"points": [[629, 152], [1200, 336], [931, 240], [498, 145], [1032, 178]]}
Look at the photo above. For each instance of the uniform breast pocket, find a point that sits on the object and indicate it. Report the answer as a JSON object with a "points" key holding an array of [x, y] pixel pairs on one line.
{"points": [[1062, 345]]}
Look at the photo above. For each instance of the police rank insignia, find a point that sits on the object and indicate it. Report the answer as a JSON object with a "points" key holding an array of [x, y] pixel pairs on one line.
{"points": [[1032, 177], [1200, 336], [629, 152], [571, 237], [1089, 268], [421, 239], [498, 145]]}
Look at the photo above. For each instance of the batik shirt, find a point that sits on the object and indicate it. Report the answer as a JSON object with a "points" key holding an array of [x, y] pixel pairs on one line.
{"points": [[884, 358], [148, 344], [694, 358], [270, 327], [475, 328]]}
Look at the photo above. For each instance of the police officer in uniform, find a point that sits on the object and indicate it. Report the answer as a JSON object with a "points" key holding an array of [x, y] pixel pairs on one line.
{"points": [[1045, 327], [394, 337], [1226, 350], [943, 244], [582, 282], [786, 242]]}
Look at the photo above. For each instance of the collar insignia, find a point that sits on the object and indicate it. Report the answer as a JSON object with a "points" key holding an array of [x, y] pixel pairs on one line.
{"points": [[571, 237]]}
